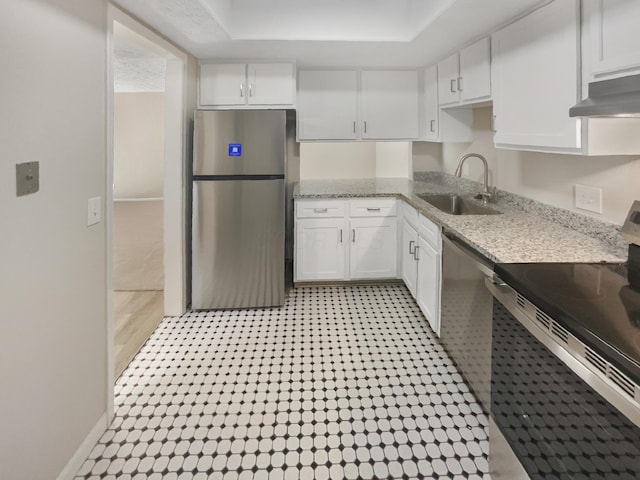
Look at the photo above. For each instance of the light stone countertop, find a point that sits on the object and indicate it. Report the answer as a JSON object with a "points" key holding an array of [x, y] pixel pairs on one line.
{"points": [[526, 231]]}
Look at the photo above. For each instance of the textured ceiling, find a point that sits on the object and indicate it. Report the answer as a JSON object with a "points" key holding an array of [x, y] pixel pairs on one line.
{"points": [[137, 69], [327, 32]]}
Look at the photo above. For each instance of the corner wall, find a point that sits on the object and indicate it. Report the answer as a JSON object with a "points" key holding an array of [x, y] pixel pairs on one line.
{"points": [[53, 323], [138, 143], [548, 178]]}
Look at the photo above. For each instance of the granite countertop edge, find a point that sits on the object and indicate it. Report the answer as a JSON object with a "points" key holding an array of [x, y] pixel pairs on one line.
{"points": [[526, 231]]}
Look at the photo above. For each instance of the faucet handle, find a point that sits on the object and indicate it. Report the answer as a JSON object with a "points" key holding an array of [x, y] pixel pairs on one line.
{"points": [[490, 194]]}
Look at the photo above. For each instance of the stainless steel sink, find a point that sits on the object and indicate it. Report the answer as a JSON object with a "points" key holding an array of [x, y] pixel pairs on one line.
{"points": [[454, 204]]}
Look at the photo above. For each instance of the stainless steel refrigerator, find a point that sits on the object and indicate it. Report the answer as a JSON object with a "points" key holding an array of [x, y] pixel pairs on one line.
{"points": [[238, 216]]}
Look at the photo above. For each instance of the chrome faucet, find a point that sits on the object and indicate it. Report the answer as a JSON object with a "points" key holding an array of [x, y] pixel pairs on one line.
{"points": [[487, 193]]}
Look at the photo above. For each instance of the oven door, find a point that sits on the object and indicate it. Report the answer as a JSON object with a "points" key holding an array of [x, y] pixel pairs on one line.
{"points": [[543, 411]]}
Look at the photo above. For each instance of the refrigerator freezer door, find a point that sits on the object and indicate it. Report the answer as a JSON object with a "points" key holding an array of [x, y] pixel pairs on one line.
{"points": [[238, 244], [260, 136]]}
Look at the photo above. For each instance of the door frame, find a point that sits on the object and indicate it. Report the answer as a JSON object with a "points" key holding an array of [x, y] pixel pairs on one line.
{"points": [[176, 152]]}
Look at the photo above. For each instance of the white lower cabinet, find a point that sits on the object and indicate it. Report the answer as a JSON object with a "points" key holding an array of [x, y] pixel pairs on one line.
{"points": [[428, 291], [422, 263], [320, 249], [409, 262], [359, 242], [373, 248]]}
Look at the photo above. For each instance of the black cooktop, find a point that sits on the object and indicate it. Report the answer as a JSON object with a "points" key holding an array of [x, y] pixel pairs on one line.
{"points": [[594, 301]]}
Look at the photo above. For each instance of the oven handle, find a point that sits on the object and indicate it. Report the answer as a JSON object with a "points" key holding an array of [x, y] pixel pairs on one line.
{"points": [[569, 354]]}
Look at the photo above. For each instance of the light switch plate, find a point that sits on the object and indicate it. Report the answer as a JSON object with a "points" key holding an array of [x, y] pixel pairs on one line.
{"points": [[94, 211], [588, 198], [27, 178]]}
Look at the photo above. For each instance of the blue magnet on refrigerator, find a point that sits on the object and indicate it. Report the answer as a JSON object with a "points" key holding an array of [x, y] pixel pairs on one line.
{"points": [[235, 149]]}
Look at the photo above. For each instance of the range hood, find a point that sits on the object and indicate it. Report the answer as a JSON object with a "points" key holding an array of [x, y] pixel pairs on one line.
{"points": [[620, 96]]}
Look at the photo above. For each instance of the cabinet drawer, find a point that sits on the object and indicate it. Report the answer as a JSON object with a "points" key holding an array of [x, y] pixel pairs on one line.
{"points": [[320, 208], [430, 232], [410, 214], [373, 207]]}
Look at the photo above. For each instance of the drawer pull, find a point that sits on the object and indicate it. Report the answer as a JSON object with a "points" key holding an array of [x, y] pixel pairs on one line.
{"points": [[415, 252], [373, 209], [411, 242], [320, 210]]}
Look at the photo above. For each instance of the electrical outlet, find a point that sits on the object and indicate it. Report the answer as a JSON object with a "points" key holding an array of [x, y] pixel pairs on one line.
{"points": [[94, 211], [588, 198]]}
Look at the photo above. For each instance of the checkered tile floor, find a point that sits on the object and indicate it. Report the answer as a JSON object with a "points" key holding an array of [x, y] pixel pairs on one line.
{"points": [[344, 382]]}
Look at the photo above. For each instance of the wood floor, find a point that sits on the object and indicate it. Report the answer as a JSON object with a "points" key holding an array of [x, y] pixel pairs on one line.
{"points": [[138, 276], [137, 314]]}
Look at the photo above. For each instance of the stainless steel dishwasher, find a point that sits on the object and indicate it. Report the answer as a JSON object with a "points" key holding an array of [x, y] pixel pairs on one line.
{"points": [[466, 314]]}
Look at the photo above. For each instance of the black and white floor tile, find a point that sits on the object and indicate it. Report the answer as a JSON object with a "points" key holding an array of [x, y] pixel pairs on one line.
{"points": [[343, 382]]}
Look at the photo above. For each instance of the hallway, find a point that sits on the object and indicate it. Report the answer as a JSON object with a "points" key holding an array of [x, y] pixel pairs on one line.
{"points": [[342, 382]]}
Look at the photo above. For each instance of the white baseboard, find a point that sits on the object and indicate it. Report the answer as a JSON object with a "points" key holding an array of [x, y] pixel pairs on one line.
{"points": [[75, 462], [150, 199]]}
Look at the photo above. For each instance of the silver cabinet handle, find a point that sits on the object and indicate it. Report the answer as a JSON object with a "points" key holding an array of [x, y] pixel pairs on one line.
{"points": [[241, 90], [354, 126], [353, 232], [319, 210], [432, 125], [411, 252], [459, 84], [452, 86], [365, 126], [415, 252], [251, 89], [373, 209], [340, 235]]}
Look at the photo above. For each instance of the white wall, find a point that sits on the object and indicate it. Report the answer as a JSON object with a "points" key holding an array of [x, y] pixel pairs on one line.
{"points": [[53, 366], [549, 178], [348, 160], [138, 150]]}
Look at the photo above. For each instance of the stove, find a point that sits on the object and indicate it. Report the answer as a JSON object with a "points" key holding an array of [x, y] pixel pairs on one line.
{"points": [[565, 374], [596, 302]]}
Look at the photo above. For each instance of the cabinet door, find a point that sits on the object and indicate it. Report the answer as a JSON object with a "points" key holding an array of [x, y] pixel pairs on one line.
{"points": [[428, 291], [448, 80], [373, 248], [390, 105], [475, 71], [614, 42], [409, 263], [320, 249], [223, 84], [270, 84], [327, 105], [431, 103], [536, 80]]}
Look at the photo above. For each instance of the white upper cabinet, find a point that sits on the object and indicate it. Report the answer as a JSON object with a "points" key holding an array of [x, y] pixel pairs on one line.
{"points": [[327, 104], [332, 107], [448, 73], [270, 84], [223, 84], [390, 104], [611, 42], [431, 109], [465, 77], [450, 125], [535, 80], [243, 85]]}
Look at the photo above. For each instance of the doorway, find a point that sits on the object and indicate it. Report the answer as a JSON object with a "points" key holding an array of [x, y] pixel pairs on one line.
{"points": [[147, 152]]}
